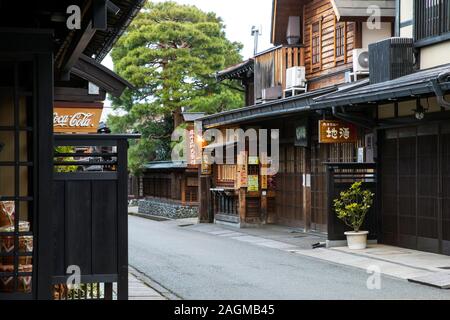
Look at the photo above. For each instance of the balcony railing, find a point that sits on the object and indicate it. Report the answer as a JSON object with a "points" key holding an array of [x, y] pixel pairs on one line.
{"points": [[271, 66], [432, 19]]}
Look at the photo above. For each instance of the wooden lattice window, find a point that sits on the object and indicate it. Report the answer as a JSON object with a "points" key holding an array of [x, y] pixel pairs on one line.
{"points": [[340, 41], [226, 173], [316, 45]]}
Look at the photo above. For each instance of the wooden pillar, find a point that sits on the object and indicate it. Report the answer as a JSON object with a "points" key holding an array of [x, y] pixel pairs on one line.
{"points": [[264, 206], [205, 214], [173, 186], [307, 189], [183, 189], [242, 204]]}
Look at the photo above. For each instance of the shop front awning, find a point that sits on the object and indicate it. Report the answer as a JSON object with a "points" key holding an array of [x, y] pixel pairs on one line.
{"points": [[276, 108], [165, 165], [417, 84], [238, 71]]}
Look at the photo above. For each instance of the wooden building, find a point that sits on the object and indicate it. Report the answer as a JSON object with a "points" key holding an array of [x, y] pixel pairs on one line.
{"points": [[173, 181], [409, 115], [310, 35], [50, 220], [397, 109]]}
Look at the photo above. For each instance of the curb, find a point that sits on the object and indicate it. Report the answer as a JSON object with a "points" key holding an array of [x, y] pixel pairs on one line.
{"points": [[149, 216], [169, 295]]}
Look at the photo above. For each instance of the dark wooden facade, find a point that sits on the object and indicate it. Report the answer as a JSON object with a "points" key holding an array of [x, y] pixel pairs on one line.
{"points": [[37, 55], [177, 184]]}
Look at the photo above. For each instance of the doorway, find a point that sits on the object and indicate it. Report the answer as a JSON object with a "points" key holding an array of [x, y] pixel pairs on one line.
{"points": [[415, 187]]}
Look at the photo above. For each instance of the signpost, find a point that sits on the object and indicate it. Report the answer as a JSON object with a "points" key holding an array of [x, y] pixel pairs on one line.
{"points": [[337, 131]]}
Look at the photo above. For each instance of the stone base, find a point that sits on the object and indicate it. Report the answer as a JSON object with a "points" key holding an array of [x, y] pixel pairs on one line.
{"points": [[156, 207]]}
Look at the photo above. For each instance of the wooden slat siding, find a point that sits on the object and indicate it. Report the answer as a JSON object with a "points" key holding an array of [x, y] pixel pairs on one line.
{"points": [[322, 10], [59, 224], [289, 187], [78, 225], [104, 227], [253, 207], [270, 67]]}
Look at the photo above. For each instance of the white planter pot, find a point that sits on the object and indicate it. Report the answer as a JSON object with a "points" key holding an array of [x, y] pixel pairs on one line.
{"points": [[357, 240]]}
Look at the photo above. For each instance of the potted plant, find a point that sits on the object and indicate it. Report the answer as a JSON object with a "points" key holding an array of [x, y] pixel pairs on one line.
{"points": [[352, 207]]}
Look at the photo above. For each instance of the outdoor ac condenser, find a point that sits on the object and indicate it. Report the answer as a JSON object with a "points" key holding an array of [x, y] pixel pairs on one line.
{"points": [[295, 77], [390, 59], [360, 61]]}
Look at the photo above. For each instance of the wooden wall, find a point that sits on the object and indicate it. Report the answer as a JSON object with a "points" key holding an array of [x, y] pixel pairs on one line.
{"points": [[329, 71]]}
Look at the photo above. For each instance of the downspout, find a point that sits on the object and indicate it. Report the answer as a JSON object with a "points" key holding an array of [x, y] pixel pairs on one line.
{"points": [[436, 83], [359, 121]]}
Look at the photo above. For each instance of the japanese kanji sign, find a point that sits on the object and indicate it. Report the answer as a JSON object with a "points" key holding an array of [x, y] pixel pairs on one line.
{"points": [[336, 131]]}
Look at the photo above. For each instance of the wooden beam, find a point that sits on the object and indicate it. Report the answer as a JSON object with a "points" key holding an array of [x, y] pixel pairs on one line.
{"points": [[112, 7], [242, 204], [78, 94], [99, 14], [76, 50], [90, 70]]}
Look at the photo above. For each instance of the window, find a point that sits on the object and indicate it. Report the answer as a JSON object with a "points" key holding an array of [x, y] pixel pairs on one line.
{"points": [[17, 170], [432, 18], [340, 42], [316, 47]]}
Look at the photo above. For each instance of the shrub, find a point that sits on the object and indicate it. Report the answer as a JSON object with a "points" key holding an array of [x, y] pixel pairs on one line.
{"points": [[353, 205]]}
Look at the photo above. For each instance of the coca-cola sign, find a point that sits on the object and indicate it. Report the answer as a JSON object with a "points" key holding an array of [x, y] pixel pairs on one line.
{"points": [[74, 119]]}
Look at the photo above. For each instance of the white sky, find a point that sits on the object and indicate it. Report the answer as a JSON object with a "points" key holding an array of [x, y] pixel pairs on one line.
{"points": [[238, 16]]}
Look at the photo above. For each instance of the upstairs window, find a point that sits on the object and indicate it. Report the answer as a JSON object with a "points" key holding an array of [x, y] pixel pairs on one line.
{"points": [[432, 18], [340, 42], [316, 45]]}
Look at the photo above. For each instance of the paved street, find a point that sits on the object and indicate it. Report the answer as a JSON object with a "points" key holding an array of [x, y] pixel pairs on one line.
{"points": [[196, 265]]}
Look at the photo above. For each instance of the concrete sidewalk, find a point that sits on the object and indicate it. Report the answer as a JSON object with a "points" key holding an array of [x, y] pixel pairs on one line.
{"points": [[142, 288], [392, 261]]}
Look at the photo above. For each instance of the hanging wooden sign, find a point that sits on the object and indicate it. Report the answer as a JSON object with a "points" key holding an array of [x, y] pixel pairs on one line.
{"points": [[242, 172], [71, 117], [206, 165], [337, 131]]}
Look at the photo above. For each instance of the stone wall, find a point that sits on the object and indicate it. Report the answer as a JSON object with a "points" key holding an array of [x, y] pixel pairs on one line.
{"points": [[161, 208]]}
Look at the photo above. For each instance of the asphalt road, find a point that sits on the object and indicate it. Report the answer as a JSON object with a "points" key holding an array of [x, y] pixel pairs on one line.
{"points": [[196, 265]]}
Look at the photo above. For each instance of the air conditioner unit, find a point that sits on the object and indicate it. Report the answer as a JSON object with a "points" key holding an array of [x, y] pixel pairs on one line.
{"points": [[272, 93], [295, 77], [360, 61]]}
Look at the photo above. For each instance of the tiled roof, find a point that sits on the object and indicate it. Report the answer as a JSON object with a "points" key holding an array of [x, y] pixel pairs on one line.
{"points": [[417, 83]]}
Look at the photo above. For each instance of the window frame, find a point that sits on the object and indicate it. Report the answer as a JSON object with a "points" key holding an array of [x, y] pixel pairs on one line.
{"points": [[314, 65], [342, 38]]}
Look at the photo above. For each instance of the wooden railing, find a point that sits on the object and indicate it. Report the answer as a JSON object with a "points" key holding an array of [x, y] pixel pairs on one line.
{"points": [[432, 18], [271, 66]]}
